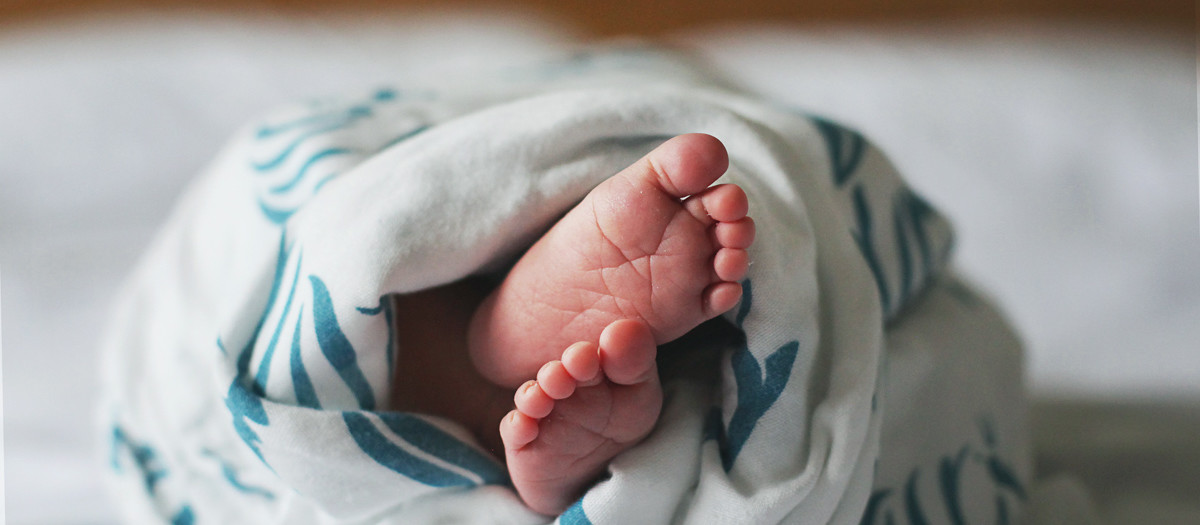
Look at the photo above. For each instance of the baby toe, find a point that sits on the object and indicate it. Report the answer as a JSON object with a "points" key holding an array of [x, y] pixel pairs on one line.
{"points": [[718, 298], [582, 361], [731, 264], [720, 203], [517, 430], [735, 234], [683, 165], [532, 401], [555, 381], [627, 352]]}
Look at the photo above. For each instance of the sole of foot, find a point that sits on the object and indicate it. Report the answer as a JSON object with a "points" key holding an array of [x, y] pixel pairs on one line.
{"points": [[583, 409], [656, 242]]}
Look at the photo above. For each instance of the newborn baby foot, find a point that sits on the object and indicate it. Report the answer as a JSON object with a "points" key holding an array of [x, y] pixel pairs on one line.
{"points": [[582, 410], [653, 243]]}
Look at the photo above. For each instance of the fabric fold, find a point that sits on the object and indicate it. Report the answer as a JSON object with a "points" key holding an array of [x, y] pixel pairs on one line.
{"points": [[253, 349]]}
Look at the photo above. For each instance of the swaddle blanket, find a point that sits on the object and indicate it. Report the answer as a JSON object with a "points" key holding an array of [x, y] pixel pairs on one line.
{"points": [[250, 359]]}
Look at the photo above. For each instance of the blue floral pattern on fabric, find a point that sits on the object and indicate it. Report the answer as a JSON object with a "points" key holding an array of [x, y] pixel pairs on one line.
{"points": [[291, 172], [915, 506], [756, 391]]}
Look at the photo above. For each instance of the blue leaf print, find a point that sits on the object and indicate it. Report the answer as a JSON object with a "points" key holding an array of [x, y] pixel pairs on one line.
{"points": [[308, 164], [287, 151], [907, 275], [231, 477], [864, 237], [846, 148], [385, 307], [435, 442], [306, 395], [185, 516], [321, 119], [264, 366], [404, 136], [912, 504], [874, 505], [756, 392], [575, 515], [144, 457], [1005, 477], [282, 199], [390, 455], [244, 405], [949, 470], [336, 347]]}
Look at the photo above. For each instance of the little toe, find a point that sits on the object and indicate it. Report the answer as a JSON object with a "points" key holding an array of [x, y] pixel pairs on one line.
{"points": [[718, 298], [555, 381], [517, 430], [532, 401], [735, 234], [731, 264], [627, 352], [582, 361], [684, 165]]}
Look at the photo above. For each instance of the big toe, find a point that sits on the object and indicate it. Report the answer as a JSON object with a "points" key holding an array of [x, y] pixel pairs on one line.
{"points": [[627, 352], [682, 166]]}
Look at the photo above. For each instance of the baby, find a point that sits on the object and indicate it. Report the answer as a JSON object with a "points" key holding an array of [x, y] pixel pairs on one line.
{"points": [[288, 350], [648, 255]]}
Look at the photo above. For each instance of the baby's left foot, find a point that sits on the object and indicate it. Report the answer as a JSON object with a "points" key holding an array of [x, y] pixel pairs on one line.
{"points": [[583, 409]]}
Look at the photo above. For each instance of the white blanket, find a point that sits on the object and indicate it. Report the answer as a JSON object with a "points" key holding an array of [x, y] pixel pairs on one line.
{"points": [[250, 359]]}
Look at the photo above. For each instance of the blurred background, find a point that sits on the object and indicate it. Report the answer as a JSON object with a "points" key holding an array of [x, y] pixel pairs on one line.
{"points": [[1060, 137]]}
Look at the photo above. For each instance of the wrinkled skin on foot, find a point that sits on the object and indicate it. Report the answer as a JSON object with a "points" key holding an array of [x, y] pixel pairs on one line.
{"points": [[655, 243], [581, 411]]}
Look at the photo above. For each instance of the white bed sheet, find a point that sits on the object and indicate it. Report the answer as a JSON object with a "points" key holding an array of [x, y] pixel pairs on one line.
{"points": [[1067, 156]]}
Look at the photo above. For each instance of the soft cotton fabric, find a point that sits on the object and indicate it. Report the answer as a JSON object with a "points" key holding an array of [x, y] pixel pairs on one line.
{"points": [[251, 356]]}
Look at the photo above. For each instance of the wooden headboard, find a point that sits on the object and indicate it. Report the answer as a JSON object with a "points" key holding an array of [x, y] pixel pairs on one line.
{"points": [[652, 17]]}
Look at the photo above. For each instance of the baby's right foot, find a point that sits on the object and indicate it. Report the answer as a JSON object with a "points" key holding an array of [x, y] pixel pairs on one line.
{"points": [[582, 410], [653, 243]]}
